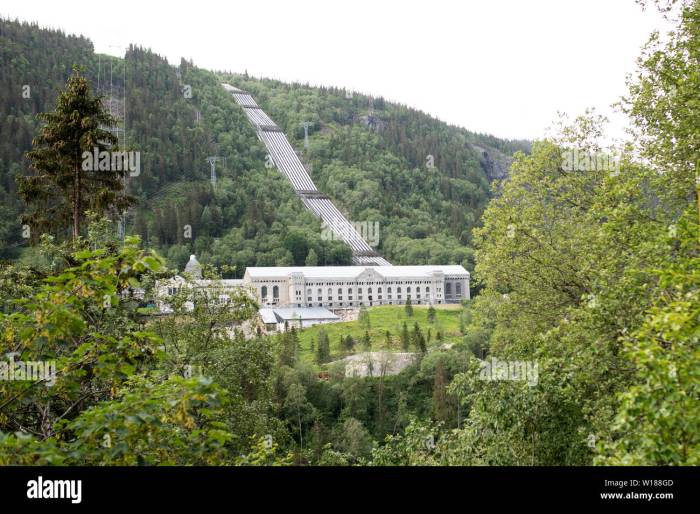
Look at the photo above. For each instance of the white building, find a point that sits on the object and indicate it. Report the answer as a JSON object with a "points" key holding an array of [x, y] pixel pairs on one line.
{"points": [[302, 295], [339, 287], [281, 318], [217, 291]]}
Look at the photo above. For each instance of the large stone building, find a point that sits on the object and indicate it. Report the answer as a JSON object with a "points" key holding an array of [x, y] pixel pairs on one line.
{"points": [[306, 295], [338, 287]]}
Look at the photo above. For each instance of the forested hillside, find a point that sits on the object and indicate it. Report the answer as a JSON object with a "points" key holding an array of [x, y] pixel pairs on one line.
{"points": [[424, 182]]}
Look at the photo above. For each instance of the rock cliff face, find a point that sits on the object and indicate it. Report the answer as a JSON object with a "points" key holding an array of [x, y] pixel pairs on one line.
{"points": [[372, 122], [375, 364], [496, 168]]}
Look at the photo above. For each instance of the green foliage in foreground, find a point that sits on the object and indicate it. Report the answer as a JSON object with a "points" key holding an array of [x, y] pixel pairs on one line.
{"points": [[115, 397]]}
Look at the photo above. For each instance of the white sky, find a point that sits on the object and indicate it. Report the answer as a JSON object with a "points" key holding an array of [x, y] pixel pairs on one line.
{"points": [[496, 66]]}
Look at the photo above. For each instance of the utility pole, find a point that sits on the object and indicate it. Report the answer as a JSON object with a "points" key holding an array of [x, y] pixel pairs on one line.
{"points": [[212, 160], [306, 134], [119, 132]]}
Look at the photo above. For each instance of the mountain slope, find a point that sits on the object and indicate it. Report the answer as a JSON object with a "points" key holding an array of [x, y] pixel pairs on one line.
{"points": [[426, 183]]}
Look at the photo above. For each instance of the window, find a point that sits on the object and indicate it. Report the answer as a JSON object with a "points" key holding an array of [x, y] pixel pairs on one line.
{"points": [[275, 292], [458, 289], [263, 293], [448, 289]]}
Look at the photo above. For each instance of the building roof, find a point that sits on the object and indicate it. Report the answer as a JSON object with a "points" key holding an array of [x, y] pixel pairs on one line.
{"points": [[193, 267], [268, 316], [282, 314], [352, 272]]}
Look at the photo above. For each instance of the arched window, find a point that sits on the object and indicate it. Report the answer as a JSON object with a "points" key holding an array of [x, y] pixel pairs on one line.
{"points": [[275, 292], [398, 290], [264, 292], [448, 289], [379, 290], [408, 290], [418, 289], [427, 290], [388, 290], [308, 292]]}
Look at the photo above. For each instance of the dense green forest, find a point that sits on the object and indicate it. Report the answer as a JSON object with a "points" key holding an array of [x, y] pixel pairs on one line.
{"points": [[363, 151], [589, 274]]}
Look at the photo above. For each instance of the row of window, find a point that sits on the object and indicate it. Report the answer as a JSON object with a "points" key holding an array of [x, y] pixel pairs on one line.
{"points": [[276, 292], [369, 290], [351, 303], [397, 282]]}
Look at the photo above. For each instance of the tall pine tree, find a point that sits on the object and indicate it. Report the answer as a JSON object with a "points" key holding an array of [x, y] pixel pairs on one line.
{"points": [[60, 190]]}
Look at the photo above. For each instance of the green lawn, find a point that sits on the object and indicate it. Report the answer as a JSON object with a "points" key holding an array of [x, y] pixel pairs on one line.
{"points": [[388, 317]]}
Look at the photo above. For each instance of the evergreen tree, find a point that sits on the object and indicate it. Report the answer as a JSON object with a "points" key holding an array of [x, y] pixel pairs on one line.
{"points": [[363, 317], [323, 351], [405, 338], [311, 258], [349, 343], [387, 340], [367, 341], [418, 338], [287, 349], [65, 184], [408, 307], [431, 314]]}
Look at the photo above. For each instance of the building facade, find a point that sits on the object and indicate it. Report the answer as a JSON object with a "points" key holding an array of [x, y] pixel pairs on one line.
{"points": [[317, 288], [340, 287]]}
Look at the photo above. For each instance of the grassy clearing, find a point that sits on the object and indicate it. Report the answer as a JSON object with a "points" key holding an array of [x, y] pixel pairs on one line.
{"points": [[388, 317]]}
